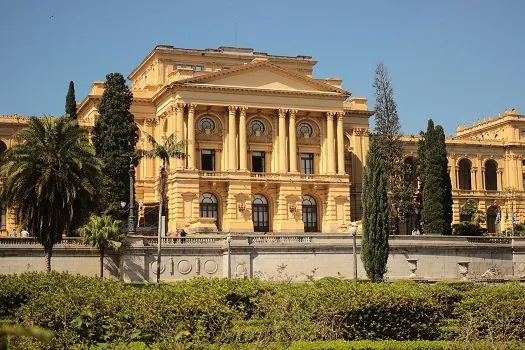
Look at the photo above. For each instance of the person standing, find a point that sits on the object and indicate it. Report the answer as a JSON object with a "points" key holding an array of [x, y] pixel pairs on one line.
{"points": [[13, 233], [24, 233]]}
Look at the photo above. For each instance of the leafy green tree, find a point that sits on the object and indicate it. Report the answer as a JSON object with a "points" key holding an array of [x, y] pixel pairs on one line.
{"points": [[102, 232], [388, 133], [164, 151], [114, 137], [436, 198], [71, 103], [374, 251], [46, 174]]}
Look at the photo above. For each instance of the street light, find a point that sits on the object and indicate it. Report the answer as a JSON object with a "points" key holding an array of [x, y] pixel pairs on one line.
{"points": [[229, 242], [353, 231], [131, 217]]}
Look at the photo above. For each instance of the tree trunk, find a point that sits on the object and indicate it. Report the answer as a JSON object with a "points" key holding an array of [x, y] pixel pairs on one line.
{"points": [[48, 248], [101, 261]]}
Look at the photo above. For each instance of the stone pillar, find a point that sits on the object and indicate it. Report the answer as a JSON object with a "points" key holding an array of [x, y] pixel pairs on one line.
{"points": [[242, 139], [340, 145], [191, 137], [499, 177], [293, 142], [453, 173], [232, 134], [483, 184], [179, 127], [282, 141], [473, 185], [330, 142]]}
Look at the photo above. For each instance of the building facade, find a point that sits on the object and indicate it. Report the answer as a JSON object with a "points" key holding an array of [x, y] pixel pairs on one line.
{"points": [[270, 148]]}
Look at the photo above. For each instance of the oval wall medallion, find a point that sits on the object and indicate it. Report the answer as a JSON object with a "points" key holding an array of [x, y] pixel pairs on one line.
{"points": [[210, 267], [154, 267], [184, 267]]}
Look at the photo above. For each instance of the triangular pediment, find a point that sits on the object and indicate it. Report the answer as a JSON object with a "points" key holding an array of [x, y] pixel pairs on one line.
{"points": [[263, 75]]}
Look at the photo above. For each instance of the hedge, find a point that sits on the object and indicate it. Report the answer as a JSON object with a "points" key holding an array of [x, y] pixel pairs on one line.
{"points": [[85, 311]]}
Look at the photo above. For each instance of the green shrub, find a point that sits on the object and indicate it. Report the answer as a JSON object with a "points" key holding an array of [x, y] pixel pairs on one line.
{"points": [[493, 312], [466, 228]]}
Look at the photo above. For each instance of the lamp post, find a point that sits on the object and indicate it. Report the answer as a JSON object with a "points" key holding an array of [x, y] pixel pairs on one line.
{"points": [[353, 231], [229, 242], [131, 217]]}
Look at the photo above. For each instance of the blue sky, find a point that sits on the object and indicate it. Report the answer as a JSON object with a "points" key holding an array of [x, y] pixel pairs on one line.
{"points": [[455, 61]]}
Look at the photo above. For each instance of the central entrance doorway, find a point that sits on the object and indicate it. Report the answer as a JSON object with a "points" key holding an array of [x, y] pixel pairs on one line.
{"points": [[260, 213]]}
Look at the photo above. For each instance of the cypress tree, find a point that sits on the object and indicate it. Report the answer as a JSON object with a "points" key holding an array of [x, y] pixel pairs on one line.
{"points": [[114, 137], [388, 131], [447, 184], [436, 210], [374, 245], [71, 103]]}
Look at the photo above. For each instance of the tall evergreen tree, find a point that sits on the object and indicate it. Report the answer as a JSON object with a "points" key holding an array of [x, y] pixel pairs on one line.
{"points": [[114, 137], [447, 183], [388, 131], [71, 103], [374, 246], [436, 198]]}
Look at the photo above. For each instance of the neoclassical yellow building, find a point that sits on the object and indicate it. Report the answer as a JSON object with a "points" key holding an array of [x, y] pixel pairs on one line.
{"points": [[271, 148]]}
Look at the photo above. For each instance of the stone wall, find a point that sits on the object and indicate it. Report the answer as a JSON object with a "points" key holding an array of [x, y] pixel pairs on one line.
{"points": [[291, 257]]}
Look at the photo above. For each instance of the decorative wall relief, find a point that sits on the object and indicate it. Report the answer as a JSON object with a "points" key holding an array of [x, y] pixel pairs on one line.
{"points": [[184, 267]]}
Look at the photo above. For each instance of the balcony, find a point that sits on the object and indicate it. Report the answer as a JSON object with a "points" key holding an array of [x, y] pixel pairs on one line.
{"points": [[271, 177]]}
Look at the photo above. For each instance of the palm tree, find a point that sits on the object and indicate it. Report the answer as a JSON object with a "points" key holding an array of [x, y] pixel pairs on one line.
{"points": [[47, 174], [102, 232], [168, 149]]}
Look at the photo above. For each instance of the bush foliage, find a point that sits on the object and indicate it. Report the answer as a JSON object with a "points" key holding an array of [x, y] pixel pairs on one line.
{"points": [[86, 312]]}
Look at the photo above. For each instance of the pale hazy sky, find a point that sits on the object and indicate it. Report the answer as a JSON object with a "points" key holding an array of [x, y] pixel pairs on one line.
{"points": [[453, 60]]}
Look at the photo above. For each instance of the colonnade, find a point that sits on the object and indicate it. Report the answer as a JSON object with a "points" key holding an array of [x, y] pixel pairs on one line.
{"points": [[236, 155]]}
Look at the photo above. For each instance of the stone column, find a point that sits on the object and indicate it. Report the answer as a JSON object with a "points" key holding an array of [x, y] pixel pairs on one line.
{"points": [[179, 123], [293, 142], [499, 177], [282, 141], [242, 139], [340, 145], [453, 172], [191, 137], [473, 185], [330, 142], [483, 184], [232, 134]]}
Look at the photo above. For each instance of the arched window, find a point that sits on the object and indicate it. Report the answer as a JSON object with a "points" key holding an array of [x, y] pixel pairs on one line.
{"points": [[491, 169], [260, 211], [207, 123], [257, 126], [305, 129], [464, 174], [309, 214], [208, 206]]}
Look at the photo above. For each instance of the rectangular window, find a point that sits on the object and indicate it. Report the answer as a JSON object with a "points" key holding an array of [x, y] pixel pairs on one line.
{"points": [[523, 180], [208, 159], [258, 162], [523, 162], [522, 134], [307, 163]]}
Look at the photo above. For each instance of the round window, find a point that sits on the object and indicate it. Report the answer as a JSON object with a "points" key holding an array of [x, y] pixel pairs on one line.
{"points": [[305, 129], [257, 125], [207, 124]]}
